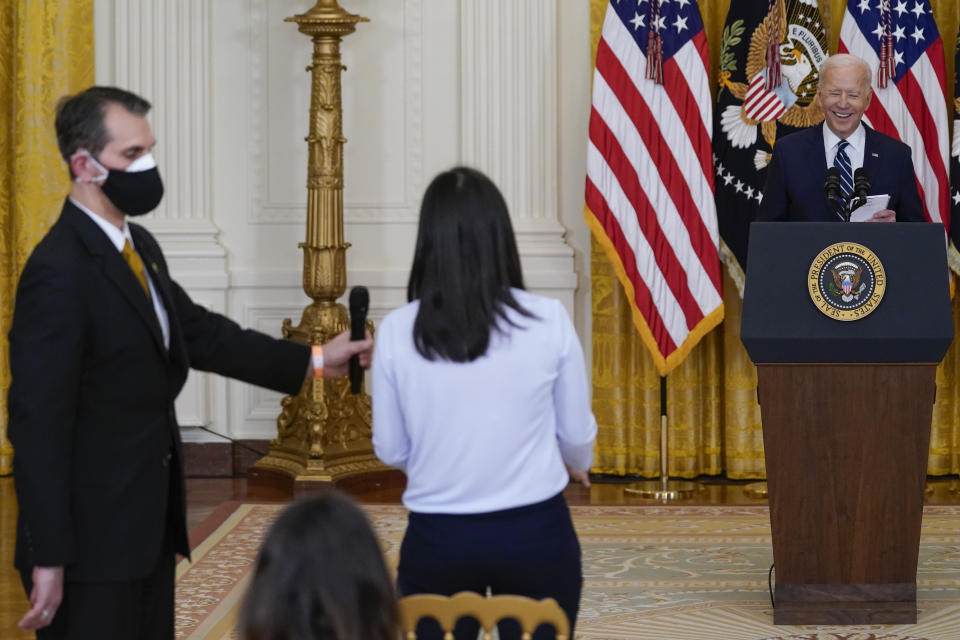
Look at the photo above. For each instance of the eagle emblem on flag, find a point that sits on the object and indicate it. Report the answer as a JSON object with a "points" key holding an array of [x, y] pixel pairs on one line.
{"points": [[799, 38], [771, 52]]}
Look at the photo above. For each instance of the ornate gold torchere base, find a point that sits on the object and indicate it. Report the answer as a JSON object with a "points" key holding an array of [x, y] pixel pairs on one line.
{"points": [[756, 490], [662, 489], [280, 476], [323, 432]]}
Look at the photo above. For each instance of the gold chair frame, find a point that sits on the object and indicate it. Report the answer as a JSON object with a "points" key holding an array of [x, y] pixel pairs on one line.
{"points": [[446, 610]]}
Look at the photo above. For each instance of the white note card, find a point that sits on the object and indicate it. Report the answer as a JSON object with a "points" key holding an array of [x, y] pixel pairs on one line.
{"points": [[873, 205]]}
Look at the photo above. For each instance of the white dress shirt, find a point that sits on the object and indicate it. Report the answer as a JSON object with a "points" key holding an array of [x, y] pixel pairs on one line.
{"points": [[490, 434], [857, 140], [118, 237]]}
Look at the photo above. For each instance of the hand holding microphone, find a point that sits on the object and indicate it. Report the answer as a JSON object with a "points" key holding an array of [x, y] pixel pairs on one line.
{"points": [[351, 350], [359, 305]]}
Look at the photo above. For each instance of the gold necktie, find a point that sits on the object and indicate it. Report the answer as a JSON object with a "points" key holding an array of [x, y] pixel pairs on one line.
{"points": [[136, 264]]}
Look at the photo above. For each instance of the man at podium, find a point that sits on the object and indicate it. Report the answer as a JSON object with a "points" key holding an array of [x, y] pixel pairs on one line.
{"points": [[866, 161]]}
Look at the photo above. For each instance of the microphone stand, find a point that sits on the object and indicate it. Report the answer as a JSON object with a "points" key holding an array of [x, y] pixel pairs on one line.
{"points": [[663, 489], [848, 204]]}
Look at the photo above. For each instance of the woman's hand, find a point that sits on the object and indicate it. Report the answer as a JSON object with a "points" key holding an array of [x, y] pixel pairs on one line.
{"points": [[583, 477]]}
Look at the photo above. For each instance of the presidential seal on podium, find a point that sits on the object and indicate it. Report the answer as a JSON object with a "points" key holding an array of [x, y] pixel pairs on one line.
{"points": [[846, 281]]}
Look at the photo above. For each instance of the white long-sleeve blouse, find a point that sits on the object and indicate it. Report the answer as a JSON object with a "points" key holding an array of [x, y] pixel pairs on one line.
{"points": [[490, 434]]}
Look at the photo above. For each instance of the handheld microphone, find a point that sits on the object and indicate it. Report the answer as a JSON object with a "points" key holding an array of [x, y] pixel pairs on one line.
{"points": [[359, 303], [861, 187]]}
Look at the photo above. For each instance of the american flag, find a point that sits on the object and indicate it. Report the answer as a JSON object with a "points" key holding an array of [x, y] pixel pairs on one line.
{"points": [[649, 190], [912, 107], [952, 255]]}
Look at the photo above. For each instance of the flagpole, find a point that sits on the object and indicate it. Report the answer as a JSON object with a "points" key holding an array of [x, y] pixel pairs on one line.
{"points": [[663, 489]]}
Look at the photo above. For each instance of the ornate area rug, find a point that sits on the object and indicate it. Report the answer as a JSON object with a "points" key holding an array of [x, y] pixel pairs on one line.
{"points": [[651, 573]]}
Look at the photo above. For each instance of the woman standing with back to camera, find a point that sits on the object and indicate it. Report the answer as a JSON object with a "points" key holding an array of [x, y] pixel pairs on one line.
{"points": [[480, 397]]}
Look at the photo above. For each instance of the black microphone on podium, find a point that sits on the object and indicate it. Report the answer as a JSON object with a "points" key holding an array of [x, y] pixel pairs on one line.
{"points": [[834, 192], [861, 187], [359, 303], [831, 185]]}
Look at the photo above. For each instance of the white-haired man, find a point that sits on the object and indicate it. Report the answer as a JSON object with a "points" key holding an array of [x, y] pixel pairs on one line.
{"points": [[795, 180]]}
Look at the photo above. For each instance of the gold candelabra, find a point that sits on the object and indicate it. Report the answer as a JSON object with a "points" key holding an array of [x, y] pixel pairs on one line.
{"points": [[323, 432]]}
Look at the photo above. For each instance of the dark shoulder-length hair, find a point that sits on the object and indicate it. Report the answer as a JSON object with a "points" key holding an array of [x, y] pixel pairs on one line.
{"points": [[464, 265], [320, 575]]}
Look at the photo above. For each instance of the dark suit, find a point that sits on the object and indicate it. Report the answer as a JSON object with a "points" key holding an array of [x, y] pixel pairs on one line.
{"points": [[98, 463], [794, 190]]}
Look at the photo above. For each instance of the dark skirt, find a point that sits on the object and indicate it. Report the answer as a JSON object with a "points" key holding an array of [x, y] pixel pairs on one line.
{"points": [[529, 551]]}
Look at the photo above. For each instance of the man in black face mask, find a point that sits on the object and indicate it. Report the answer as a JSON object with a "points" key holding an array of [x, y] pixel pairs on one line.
{"points": [[101, 342]]}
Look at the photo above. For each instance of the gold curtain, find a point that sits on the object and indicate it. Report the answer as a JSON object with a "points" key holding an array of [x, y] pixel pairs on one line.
{"points": [[712, 411], [46, 51]]}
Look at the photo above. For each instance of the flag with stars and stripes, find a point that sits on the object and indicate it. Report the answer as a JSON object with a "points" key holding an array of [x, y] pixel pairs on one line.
{"points": [[649, 187], [771, 52], [900, 41], [955, 164]]}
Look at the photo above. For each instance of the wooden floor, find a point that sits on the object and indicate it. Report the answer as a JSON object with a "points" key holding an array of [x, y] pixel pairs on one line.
{"points": [[205, 494]]}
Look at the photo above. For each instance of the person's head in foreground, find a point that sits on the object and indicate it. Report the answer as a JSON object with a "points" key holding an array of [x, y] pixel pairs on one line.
{"points": [[464, 265], [320, 575]]}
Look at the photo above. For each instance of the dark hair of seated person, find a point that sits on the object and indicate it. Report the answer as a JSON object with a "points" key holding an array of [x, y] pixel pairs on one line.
{"points": [[464, 265], [320, 575]]}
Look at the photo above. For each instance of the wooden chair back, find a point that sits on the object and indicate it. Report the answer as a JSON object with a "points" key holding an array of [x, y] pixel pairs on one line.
{"points": [[488, 612]]}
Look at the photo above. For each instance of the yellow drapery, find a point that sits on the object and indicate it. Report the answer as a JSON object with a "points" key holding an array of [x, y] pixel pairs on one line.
{"points": [[713, 416], [46, 51]]}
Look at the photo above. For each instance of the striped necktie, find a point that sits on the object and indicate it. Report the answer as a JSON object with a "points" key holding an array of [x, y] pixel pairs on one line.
{"points": [[136, 265], [842, 162]]}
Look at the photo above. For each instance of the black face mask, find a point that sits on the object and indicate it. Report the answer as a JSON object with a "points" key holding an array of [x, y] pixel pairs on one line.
{"points": [[136, 190]]}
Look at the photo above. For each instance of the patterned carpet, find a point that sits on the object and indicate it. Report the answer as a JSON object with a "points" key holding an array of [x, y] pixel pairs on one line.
{"points": [[652, 573]]}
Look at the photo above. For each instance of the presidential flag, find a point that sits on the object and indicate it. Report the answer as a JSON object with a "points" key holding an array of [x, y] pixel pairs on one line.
{"points": [[900, 42], [771, 52], [649, 187]]}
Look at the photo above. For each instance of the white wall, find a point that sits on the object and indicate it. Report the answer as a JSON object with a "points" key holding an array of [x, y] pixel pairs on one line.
{"points": [[500, 85]]}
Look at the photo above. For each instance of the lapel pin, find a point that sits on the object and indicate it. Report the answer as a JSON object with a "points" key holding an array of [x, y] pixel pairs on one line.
{"points": [[875, 155], [154, 265]]}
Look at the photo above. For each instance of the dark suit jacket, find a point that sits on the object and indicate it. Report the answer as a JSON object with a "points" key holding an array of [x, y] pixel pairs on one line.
{"points": [[98, 463], [794, 189]]}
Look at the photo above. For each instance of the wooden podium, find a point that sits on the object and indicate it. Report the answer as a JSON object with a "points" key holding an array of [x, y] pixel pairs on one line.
{"points": [[846, 409]]}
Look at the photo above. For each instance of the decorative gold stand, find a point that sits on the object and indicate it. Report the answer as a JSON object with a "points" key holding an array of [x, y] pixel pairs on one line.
{"points": [[323, 433], [664, 488], [756, 490]]}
